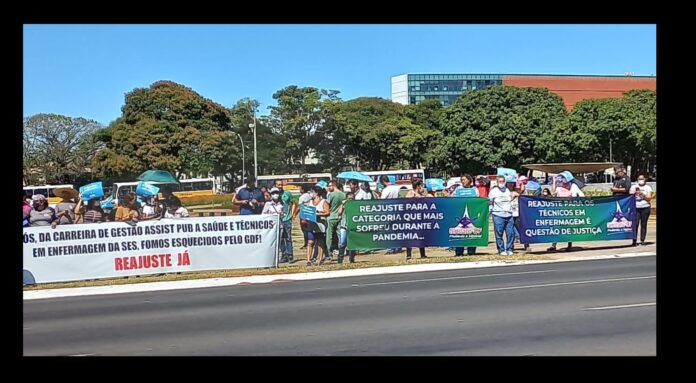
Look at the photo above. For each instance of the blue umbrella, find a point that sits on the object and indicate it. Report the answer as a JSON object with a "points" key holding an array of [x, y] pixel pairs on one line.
{"points": [[162, 176], [355, 176]]}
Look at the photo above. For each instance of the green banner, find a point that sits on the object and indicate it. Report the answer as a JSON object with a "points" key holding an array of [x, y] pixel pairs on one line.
{"points": [[417, 222]]}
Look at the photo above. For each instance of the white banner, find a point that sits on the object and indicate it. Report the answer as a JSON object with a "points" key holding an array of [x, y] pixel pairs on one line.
{"points": [[117, 249]]}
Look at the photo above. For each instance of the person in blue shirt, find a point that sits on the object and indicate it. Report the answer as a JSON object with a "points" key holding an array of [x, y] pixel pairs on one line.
{"points": [[249, 199]]}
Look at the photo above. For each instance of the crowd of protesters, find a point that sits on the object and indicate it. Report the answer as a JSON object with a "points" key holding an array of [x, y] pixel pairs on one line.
{"points": [[326, 237]]}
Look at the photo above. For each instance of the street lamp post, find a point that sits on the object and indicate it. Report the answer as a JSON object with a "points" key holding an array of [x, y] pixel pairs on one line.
{"points": [[253, 125], [240, 139]]}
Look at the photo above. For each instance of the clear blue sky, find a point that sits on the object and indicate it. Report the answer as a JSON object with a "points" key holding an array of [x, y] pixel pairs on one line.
{"points": [[85, 70]]}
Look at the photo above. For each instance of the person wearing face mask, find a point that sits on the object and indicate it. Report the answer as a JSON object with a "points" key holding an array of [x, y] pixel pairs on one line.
{"points": [[305, 198], [501, 209], [278, 207], [563, 188], [418, 191], [317, 234], [643, 193], [42, 214]]}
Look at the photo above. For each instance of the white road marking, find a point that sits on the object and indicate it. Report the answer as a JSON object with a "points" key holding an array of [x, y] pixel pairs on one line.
{"points": [[621, 306], [448, 278], [547, 285]]}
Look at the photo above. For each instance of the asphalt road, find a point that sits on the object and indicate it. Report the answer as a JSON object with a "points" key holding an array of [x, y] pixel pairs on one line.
{"points": [[604, 307]]}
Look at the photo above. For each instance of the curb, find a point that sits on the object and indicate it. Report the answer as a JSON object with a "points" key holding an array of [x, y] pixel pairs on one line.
{"points": [[282, 278]]}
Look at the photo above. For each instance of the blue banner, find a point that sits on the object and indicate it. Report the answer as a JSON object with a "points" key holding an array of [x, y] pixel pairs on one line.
{"points": [[308, 213], [92, 191], [546, 220], [146, 189]]}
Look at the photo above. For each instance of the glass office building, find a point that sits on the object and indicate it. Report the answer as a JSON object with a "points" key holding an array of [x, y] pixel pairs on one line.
{"points": [[414, 88]]}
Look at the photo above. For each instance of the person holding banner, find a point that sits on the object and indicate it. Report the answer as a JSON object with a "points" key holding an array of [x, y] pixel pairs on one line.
{"points": [[563, 188], [280, 208], [127, 210], [467, 190], [317, 233], [343, 232], [42, 214], [643, 193], [92, 212], [501, 210], [417, 192]]}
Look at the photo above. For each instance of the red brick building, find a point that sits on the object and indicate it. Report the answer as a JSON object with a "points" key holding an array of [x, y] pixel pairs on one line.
{"points": [[576, 88]]}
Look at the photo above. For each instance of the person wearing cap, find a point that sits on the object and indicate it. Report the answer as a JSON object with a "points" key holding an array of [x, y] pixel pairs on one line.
{"points": [[41, 214], [277, 207], [622, 184]]}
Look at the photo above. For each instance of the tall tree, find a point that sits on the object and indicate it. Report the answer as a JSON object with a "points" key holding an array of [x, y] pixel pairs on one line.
{"points": [[497, 126], [167, 126], [57, 149], [368, 130], [297, 117]]}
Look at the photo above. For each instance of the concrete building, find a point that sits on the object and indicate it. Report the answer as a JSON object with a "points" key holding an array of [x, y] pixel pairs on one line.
{"points": [[414, 88]]}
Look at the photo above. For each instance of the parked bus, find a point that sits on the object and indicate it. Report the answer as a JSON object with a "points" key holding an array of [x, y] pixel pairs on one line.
{"points": [[396, 177], [185, 188], [46, 191], [292, 182]]}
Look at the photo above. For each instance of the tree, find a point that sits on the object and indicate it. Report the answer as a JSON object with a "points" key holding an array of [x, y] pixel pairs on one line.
{"points": [[367, 129], [170, 127], [297, 117], [621, 128], [496, 126], [57, 149]]}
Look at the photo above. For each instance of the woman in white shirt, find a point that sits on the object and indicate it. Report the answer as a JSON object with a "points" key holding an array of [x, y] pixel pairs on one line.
{"points": [[643, 193]]}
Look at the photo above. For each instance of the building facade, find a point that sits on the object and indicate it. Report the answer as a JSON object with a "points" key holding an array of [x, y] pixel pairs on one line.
{"points": [[414, 88]]}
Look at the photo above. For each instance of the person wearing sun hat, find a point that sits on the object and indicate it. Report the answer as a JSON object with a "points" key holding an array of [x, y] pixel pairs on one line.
{"points": [[65, 209]]}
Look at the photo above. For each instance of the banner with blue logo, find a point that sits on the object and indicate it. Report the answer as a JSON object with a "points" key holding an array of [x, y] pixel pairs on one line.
{"points": [[417, 222], [546, 220]]}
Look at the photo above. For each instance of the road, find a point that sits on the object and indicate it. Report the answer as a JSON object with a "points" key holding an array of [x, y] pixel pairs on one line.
{"points": [[601, 307]]}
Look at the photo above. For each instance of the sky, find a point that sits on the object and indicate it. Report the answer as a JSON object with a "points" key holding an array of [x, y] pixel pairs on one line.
{"points": [[86, 70]]}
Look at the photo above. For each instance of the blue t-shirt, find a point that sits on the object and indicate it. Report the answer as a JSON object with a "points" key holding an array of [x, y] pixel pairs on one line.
{"points": [[247, 195]]}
